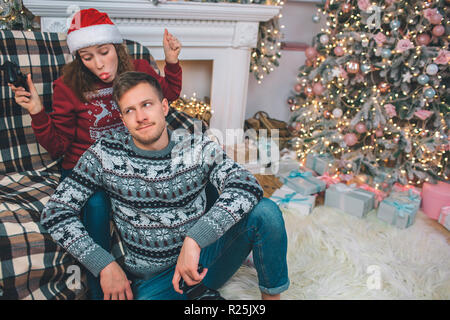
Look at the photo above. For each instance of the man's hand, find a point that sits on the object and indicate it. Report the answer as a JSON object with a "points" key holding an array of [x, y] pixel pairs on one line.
{"points": [[172, 47], [187, 265], [114, 283]]}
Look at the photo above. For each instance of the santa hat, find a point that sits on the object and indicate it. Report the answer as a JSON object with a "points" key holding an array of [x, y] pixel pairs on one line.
{"points": [[91, 27]]}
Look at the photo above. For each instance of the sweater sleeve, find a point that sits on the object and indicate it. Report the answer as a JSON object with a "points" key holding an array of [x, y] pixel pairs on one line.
{"points": [[170, 83], [56, 131], [239, 193], [61, 215]]}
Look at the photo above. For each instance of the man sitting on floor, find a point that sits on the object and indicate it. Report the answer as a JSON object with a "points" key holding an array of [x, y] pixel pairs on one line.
{"points": [[156, 181]]}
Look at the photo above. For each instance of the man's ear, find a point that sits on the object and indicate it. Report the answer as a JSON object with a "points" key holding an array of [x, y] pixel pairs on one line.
{"points": [[165, 104]]}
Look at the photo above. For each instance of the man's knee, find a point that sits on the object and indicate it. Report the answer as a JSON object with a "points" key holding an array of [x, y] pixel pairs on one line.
{"points": [[268, 215]]}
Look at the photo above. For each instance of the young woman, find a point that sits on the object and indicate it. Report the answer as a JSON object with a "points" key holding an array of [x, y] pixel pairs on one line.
{"points": [[83, 107]]}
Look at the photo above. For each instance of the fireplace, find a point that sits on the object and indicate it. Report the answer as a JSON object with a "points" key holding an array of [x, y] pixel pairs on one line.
{"points": [[223, 33]]}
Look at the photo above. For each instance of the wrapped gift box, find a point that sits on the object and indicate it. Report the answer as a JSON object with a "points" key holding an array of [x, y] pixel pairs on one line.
{"points": [[303, 182], [408, 193], [435, 197], [287, 198], [398, 211], [444, 217], [320, 163], [355, 201]]}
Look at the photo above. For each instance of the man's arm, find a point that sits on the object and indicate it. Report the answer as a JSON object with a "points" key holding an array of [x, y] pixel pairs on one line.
{"points": [[239, 193], [60, 218], [61, 215]]}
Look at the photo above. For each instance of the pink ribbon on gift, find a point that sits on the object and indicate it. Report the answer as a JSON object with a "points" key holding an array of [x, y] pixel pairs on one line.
{"points": [[379, 195], [329, 180], [402, 188]]}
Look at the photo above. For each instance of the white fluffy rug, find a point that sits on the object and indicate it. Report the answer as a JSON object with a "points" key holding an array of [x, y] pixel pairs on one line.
{"points": [[333, 255]]}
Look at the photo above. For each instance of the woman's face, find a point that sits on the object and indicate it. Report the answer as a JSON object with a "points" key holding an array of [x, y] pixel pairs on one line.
{"points": [[101, 60]]}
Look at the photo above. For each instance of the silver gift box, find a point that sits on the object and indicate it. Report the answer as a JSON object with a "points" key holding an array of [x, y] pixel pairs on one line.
{"points": [[352, 200]]}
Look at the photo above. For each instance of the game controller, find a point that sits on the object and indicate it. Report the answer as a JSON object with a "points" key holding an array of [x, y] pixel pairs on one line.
{"points": [[199, 291], [14, 75]]}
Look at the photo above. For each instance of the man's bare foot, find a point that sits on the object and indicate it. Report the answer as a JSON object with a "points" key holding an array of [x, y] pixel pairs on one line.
{"points": [[266, 296]]}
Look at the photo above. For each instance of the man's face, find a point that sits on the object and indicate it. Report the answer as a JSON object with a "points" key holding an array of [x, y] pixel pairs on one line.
{"points": [[145, 116]]}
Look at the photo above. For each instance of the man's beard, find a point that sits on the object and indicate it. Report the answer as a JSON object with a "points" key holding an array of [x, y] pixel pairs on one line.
{"points": [[148, 141]]}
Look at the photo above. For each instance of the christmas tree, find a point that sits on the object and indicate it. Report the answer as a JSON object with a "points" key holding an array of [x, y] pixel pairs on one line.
{"points": [[373, 92], [14, 16]]}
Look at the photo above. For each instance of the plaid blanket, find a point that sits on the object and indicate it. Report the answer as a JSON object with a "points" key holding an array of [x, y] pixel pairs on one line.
{"points": [[32, 265]]}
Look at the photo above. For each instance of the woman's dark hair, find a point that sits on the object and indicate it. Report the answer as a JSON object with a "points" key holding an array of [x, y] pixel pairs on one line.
{"points": [[81, 80], [130, 79]]}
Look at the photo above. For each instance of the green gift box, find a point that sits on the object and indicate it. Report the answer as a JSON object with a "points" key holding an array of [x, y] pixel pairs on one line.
{"points": [[303, 182], [320, 163], [352, 200], [398, 211]]}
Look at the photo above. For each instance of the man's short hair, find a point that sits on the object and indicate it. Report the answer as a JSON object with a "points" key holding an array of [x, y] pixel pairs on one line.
{"points": [[130, 79]]}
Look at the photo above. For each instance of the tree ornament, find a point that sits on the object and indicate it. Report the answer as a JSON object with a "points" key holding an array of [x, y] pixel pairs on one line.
{"points": [[438, 30], [395, 24], [311, 53], [423, 79], [327, 114], [339, 51], [423, 39], [308, 91], [352, 67], [384, 87], [366, 67], [337, 112], [350, 139], [432, 69], [429, 93], [290, 101], [316, 18], [360, 127], [379, 133], [324, 39], [298, 88], [346, 7], [386, 53], [318, 88]]}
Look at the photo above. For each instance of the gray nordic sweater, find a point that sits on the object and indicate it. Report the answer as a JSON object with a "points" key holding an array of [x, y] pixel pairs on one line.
{"points": [[157, 198]]}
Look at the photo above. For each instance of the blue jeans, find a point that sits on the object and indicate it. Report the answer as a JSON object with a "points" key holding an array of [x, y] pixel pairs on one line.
{"points": [[262, 231], [96, 216]]}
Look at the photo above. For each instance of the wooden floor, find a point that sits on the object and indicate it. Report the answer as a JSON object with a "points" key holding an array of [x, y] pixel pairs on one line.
{"points": [[270, 183]]}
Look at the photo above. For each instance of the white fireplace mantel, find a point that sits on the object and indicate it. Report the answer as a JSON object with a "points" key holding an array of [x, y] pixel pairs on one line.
{"points": [[222, 32]]}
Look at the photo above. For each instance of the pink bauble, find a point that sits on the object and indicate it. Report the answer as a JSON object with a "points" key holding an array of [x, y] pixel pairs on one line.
{"points": [[350, 139], [318, 88], [379, 133], [423, 39], [438, 30], [435, 19], [360, 127], [298, 88], [339, 51], [310, 53]]}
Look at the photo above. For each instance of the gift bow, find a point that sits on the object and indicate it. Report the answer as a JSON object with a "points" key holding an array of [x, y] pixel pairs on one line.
{"points": [[304, 175], [329, 179], [379, 195], [288, 198], [408, 188], [298, 174], [401, 207]]}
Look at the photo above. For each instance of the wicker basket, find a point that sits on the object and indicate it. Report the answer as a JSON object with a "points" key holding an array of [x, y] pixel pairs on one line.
{"points": [[261, 120]]}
